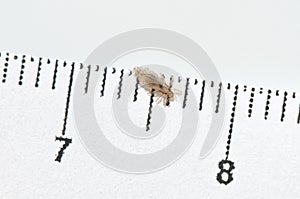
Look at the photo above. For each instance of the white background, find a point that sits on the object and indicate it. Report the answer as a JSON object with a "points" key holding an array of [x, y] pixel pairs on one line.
{"points": [[254, 43]]}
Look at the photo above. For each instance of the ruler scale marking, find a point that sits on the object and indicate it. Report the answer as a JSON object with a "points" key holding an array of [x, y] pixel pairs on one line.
{"points": [[97, 68], [196, 82], [251, 101], [22, 70], [228, 86], [68, 141], [5, 69], [54, 74], [150, 110], [298, 119], [284, 106], [136, 90], [202, 95], [226, 161], [38, 73], [267, 107], [68, 99], [103, 82], [170, 87], [218, 98], [186, 92], [231, 121], [86, 88], [120, 84]]}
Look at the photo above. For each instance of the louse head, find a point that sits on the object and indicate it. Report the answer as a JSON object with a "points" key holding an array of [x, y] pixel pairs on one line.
{"points": [[165, 89]]}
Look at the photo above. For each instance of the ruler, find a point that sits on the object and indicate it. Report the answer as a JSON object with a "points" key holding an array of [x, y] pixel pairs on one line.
{"points": [[50, 74]]}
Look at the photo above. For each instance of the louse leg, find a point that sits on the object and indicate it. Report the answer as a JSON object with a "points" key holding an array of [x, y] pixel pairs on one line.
{"points": [[177, 92], [165, 102], [158, 100], [176, 97]]}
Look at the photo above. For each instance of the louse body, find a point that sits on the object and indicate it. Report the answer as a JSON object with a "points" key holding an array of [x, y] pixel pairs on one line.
{"points": [[149, 80]]}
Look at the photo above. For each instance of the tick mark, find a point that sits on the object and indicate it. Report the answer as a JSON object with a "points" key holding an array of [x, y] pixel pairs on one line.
{"points": [[268, 104], [68, 98], [150, 110], [218, 98], [136, 90], [228, 86], [120, 84], [261, 91], [38, 73], [251, 102], [196, 82], [186, 92], [103, 82], [54, 75], [179, 79], [231, 121], [87, 79], [298, 120], [22, 70], [170, 87], [284, 106], [5, 69], [202, 95]]}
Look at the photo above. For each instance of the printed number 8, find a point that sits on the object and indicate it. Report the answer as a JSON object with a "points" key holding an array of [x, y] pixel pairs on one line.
{"points": [[224, 170]]}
